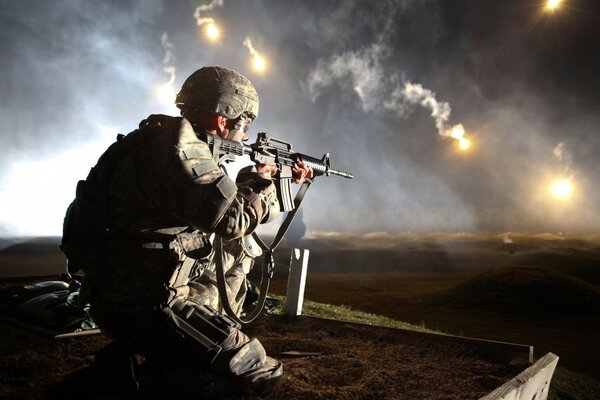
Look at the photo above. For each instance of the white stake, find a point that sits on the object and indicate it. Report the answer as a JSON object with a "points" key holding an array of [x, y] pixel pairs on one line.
{"points": [[296, 282]]}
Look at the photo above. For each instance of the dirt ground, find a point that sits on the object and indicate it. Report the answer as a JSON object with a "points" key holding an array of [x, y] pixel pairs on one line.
{"points": [[394, 275], [353, 362]]}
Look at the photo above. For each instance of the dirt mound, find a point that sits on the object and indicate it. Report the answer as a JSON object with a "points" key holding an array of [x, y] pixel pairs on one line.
{"points": [[524, 291], [518, 247], [580, 264], [548, 236]]}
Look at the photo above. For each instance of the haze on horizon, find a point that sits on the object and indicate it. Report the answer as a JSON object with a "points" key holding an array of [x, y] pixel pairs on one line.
{"points": [[523, 82]]}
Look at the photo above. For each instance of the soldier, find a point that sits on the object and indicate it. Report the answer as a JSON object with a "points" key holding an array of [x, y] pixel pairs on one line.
{"points": [[142, 227]]}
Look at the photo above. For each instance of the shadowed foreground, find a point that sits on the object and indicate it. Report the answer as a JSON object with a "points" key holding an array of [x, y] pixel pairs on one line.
{"points": [[354, 362]]}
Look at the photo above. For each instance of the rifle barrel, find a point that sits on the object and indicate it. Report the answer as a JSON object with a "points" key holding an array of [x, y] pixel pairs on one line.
{"points": [[321, 168]]}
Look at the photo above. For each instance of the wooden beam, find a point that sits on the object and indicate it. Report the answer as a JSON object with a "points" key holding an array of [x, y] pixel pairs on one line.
{"points": [[531, 384]]}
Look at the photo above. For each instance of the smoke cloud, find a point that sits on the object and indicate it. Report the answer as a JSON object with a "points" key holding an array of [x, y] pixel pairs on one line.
{"points": [[360, 71], [377, 92], [379, 89]]}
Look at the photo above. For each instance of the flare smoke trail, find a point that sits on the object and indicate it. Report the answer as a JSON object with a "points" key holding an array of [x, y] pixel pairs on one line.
{"points": [[206, 7], [248, 44], [415, 93], [168, 58], [371, 82], [257, 60], [166, 91], [564, 157]]}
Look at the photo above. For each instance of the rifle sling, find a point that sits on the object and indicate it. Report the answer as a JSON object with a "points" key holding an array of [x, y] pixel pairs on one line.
{"points": [[268, 262]]}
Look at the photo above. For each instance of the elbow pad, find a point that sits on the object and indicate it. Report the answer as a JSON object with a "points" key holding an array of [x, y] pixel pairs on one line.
{"points": [[271, 204], [264, 204], [259, 191], [250, 178]]}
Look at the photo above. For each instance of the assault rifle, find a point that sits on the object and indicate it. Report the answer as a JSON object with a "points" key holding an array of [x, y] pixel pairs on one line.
{"points": [[270, 150]]}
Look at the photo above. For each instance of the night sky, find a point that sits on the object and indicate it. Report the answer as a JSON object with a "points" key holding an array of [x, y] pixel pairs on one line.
{"points": [[523, 82]]}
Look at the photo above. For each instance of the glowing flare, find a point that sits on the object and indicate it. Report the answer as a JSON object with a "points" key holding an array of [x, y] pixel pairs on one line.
{"points": [[552, 4], [457, 132], [258, 63], [562, 189], [464, 144], [212, 31]]}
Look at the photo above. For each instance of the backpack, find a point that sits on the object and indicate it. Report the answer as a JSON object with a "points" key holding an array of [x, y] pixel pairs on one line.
{"points": [[86, 226]]}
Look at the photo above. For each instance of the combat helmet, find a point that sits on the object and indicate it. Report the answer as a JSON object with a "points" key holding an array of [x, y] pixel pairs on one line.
{"points": [[221, 91]]}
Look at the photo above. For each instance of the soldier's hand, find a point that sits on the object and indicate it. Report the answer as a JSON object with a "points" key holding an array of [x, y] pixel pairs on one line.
{"points": [[268, 169], [301, 172]]}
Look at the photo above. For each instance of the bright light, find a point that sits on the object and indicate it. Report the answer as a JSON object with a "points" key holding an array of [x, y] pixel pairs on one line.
{"points": [[166, 93], [552, 4], [258, 63], [212, 31], [562, 189], [457, 132], [36, 193], [464, 144]]}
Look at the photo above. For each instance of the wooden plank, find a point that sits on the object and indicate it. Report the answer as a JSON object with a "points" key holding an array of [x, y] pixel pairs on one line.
{"points": [[75, 334], [531, 384]]}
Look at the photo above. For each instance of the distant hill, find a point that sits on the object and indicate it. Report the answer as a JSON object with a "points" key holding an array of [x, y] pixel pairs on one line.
{"points": [[5, 242], [524, 291], [26, 257], [35, 246]]}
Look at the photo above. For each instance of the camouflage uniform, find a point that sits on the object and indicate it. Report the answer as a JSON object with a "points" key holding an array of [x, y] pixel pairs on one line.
{"points": [[153, 275]]}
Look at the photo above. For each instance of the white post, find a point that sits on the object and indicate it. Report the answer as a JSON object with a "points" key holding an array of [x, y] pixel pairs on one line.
{"points": [[296, 282]]}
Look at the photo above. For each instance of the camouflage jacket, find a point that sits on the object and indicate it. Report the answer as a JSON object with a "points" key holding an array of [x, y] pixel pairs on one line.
{"points": [[165, 195]]}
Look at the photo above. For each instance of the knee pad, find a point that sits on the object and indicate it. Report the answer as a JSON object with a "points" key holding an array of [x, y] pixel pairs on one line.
{"points": [[202, 324]]}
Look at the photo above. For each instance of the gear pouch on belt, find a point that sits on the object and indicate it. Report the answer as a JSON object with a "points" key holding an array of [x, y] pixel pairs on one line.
{"points": [[194, 245]]}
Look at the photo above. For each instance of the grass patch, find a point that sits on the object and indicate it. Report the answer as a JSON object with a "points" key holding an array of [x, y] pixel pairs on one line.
{"points": [[346, 313]]}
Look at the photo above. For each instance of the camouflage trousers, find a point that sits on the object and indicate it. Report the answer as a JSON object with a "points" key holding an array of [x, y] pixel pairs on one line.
{"points": [[184, 339], [196, 351]]}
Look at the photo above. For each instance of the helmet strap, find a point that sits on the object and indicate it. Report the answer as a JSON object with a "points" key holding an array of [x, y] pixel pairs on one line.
{"points": [[240, 125]]}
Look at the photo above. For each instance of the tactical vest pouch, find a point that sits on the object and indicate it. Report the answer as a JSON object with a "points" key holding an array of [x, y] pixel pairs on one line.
{"points": [[190, 248]]}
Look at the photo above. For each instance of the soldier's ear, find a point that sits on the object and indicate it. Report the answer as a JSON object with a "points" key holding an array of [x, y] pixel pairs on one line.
{"points": [[221, 123]]}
